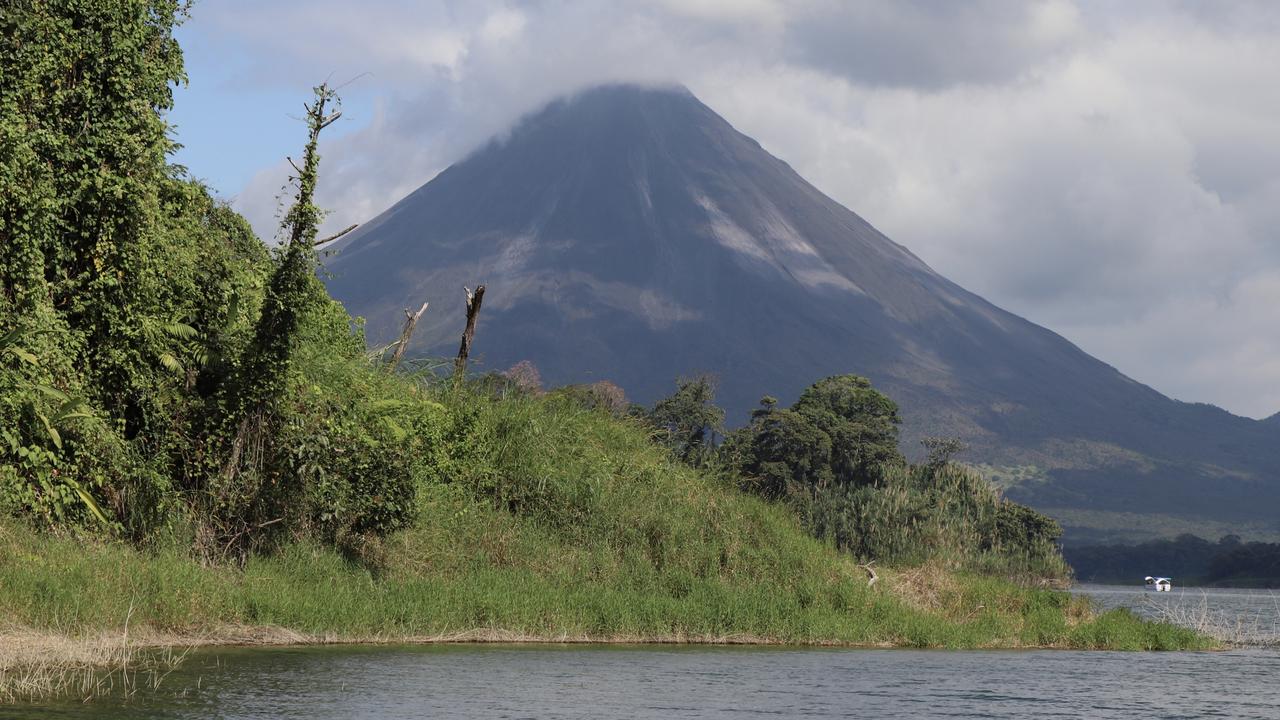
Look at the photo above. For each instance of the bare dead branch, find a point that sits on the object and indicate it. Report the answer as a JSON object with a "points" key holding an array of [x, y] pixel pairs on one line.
{"points": [[872, 578], [337, 235]]}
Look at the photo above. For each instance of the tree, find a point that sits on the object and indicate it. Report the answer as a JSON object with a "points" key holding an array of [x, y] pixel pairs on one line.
{"points": [[160, 367], [840, 432], [524, 377], [601, 396], [942, 449], [788, 452], [688, 420], [861, 421], [241, 500], [108, 255]]}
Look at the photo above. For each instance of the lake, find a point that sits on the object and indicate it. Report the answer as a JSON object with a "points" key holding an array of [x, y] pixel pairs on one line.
{"points": [[706, 682]]}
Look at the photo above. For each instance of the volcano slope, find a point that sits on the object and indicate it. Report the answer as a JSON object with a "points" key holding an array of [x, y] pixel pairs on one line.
{"points": [[631, 234]]}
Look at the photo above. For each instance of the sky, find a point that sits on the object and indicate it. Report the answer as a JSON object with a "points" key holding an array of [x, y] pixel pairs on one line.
{"points": [[1110, 170]]}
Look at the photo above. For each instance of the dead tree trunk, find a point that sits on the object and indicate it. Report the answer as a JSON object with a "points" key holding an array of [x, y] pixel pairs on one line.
{"points": [[473, 311], [410, 321]]}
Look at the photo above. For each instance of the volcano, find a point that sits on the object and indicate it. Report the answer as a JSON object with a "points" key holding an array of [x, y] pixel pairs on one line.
{"points": [[631, 234]]}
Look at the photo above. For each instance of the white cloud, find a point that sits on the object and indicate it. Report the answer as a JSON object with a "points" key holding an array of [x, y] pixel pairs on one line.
{"points": [[1109, 170]]}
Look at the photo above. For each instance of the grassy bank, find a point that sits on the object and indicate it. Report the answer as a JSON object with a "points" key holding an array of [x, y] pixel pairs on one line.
{"points": [[484, 578], [318, 596], [548, 523], [540, 521]]}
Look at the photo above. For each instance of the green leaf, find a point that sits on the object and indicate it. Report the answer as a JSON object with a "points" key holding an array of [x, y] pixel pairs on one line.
{"points": [[182, 331], [397, 433], [171, 363], [70, 407], [53, 432], [89, 503], [233, 310], [379, 406], [53, 393], [22, 355], [10, 338]]}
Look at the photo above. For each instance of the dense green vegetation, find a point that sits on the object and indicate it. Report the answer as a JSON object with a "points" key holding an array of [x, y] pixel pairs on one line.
{"points": [[544, 518], [833, 458], [1188, 559], [550, 520], [161, 366], [194, 435]]}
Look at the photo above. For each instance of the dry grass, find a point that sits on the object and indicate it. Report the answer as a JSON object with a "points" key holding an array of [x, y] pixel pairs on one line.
{"points": [[931, 587], [1255, 629], [39, 665]]}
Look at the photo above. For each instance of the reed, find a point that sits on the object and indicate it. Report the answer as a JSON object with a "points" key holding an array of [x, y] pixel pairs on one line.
{"points": [[1259, 628], [36, 665]]}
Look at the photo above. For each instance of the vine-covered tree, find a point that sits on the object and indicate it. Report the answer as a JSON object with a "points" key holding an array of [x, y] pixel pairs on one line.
{"points": [[160, 368], [688, 420]]}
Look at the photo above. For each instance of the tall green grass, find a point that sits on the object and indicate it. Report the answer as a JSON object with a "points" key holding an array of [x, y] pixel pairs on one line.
{"points": [[920, 514], [440, 590], [545, 520]]}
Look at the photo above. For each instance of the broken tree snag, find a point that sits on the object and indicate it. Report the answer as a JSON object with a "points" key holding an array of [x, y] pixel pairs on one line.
{"points": [[871, 573], [410, 321], [473, 311]]}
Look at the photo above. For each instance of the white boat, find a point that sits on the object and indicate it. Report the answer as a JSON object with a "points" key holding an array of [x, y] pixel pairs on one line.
{"points": [[1159, 584]]}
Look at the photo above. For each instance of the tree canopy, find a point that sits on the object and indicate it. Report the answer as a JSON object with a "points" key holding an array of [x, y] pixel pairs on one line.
{"points": [[841, 431], [688, 420]]}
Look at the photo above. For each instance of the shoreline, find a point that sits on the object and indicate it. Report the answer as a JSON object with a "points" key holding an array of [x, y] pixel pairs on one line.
{"points": [[37, 665], [25, 646]]}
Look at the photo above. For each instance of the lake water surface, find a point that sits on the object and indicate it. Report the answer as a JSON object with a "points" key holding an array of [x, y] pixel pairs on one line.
{"points": [[702, 682]]}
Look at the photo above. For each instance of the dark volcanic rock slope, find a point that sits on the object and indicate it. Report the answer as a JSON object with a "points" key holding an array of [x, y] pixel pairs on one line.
{"points": [[632, 234]]}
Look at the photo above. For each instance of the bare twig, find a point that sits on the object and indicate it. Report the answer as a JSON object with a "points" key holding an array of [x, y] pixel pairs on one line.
{"points": [[1259, 629], [326, 122]]}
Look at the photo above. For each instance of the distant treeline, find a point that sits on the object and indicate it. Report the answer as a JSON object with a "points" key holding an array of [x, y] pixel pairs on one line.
{"points": [[1188, 559]]}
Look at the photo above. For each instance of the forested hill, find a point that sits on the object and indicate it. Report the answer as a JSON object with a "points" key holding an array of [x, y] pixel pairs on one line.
{"points": [[631, 234]]}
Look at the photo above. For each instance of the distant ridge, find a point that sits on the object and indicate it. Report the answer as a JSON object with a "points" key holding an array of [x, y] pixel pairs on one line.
{"points": [[631, 234]]}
